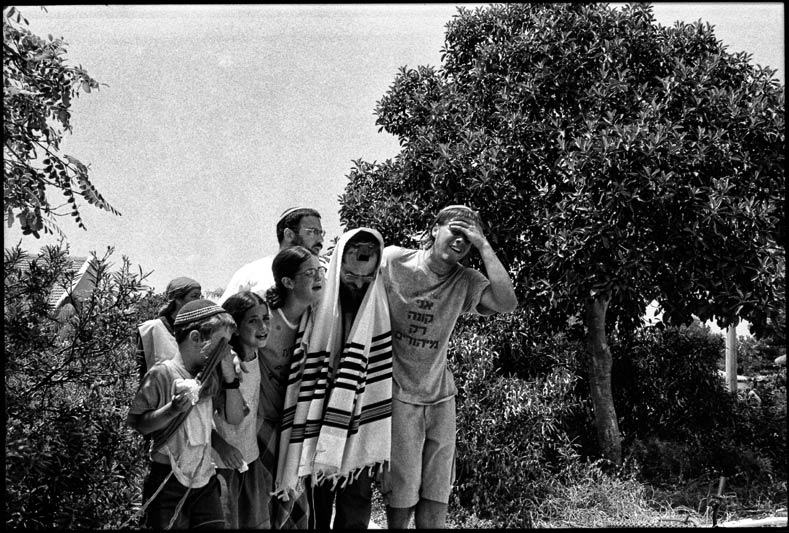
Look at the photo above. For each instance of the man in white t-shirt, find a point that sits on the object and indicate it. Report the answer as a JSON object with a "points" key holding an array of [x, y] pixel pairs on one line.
{"points": [[297, 226], [427, 291]]}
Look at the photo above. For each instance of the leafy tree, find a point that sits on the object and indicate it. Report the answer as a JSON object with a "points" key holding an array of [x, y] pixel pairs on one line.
{"points": [[616, 162], [70, 459], [38, 88]]}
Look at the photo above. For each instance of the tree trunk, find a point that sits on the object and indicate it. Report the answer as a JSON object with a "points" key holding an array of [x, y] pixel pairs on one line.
{"points": [[608, 437]]}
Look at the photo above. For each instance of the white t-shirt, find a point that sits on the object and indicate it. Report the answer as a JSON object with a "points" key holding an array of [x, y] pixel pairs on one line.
{"points": [[424, 308], [244, 434], [255, 276]]}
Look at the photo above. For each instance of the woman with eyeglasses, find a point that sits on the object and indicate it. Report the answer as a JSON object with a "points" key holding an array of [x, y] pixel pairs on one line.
{"points": [[299, 281]]}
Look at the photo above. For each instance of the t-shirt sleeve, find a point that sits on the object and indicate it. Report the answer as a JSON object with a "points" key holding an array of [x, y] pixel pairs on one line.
{"points": [[477, 283], [154, 391], [233, 285]]}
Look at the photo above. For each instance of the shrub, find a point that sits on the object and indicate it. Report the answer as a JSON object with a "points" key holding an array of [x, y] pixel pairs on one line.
{"points": [[680, 423], [511, 434], [665, 383], [70, 459]]}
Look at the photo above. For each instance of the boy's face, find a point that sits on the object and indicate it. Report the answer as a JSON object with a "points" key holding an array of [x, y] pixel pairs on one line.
{"points": [[451, 244], [203, 348]]}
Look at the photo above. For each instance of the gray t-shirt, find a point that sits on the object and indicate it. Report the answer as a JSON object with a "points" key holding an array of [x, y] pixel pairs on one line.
{"points": [[424, 308]]}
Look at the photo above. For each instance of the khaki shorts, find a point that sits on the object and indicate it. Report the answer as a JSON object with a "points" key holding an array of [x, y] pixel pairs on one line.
{"points": [[423, 454]]}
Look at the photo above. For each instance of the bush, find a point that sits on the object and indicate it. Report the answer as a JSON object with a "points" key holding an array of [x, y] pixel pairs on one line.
{"points": [[71, 461], [511, 434], [666, 383], [526, 438], [681, 425]]}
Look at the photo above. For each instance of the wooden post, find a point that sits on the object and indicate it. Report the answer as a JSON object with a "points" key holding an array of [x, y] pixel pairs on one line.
{"points": [[731, 358]]}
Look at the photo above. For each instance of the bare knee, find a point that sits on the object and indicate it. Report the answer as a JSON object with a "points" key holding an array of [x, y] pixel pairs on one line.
{"points": [[430, 514], [398, 517]]}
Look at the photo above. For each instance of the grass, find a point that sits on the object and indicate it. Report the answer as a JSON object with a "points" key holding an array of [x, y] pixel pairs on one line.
{"points": [[594, 499]]}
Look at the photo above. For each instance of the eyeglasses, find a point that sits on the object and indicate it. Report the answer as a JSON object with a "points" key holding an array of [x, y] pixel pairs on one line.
{"points": [[350, 278], [311, 272], [315, 231]]}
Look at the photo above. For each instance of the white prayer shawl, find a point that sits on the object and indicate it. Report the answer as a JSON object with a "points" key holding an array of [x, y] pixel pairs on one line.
{"points": [[337, 441]]}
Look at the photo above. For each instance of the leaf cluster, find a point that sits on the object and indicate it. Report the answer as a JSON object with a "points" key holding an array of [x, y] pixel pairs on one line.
{"points": [[70, 375], [606, 153], [38, 90]]}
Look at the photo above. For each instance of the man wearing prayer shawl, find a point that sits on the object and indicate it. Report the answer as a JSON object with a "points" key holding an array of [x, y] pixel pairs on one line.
{"points": [[336, 427]]}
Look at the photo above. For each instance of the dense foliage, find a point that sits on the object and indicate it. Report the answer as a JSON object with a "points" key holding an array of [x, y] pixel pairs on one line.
{"points": [[38, 88], [70, 459], [526, 436], [512, 433], [680, 423], [615, 162]]}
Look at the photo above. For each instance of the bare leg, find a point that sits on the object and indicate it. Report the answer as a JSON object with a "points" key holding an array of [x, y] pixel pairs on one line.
{"points": [[430, 514], [398, 517]]}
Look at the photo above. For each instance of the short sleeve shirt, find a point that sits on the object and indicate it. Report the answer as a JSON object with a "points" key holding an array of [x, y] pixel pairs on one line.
{"points": [[424, 308], [189, 448], [256, 276], [244, 434]]}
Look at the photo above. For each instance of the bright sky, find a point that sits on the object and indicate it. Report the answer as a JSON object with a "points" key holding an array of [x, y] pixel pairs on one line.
{"points": [[217, 118]]}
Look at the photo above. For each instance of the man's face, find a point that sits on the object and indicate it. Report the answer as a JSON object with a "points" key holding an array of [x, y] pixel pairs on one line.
{"points": [[357, 272], [309, 235], [451, 244]]}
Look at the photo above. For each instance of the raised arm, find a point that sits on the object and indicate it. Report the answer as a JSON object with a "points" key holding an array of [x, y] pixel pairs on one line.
{"points": [[499, 296]]}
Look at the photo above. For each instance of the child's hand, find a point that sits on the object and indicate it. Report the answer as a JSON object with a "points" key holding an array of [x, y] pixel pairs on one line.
{"points": [[228, 366], [188, 388], [231, 456], [238, 363], [181, 401]]}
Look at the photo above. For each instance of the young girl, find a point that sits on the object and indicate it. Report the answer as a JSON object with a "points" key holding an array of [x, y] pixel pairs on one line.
{"points": [[246, 495], [299, 281]]}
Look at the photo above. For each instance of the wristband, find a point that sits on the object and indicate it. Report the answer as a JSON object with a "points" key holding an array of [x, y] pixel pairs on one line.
{"points": [[232, 385]]}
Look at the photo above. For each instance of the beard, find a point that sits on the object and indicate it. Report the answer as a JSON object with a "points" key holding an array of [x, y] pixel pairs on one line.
{"points": [[351, 298], [298, 240]]}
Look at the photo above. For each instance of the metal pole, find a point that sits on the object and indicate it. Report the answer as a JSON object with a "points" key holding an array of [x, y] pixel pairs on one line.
{"points": [[731, 358]]}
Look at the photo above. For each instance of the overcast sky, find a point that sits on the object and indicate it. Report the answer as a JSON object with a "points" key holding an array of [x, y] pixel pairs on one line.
{"points": [[215, 119]]}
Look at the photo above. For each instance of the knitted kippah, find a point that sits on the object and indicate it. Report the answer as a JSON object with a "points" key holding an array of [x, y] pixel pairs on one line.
{"points": [[287, 212], [197, 310]]}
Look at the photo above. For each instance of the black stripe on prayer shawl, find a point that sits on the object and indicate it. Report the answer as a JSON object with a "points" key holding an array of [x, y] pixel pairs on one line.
{"points": [[372, 411], [352, 365], [379, 377], [315, 360], [381, 336], [378, 361], [287, 418], [339, 418], [318, 394], [381, 344], [381, 412], [304, 431]]}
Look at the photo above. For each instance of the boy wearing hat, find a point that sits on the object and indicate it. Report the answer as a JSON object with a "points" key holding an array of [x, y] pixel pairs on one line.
{"points": [[181, 489], [297, 226], [427, 291], [155, 338]]}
